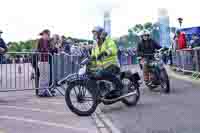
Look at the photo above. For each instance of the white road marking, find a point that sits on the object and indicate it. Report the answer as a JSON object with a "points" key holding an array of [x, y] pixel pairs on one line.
{"points": [[43, 123], [35, 109], [107, 122]]}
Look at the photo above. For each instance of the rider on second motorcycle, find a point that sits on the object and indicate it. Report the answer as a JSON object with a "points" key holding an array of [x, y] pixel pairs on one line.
{"points": [[105, 55], [146, 49]]}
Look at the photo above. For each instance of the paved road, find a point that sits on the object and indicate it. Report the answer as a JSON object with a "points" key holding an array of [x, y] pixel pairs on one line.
{"points": [[159, 113], [178, 112], [22, 112]]}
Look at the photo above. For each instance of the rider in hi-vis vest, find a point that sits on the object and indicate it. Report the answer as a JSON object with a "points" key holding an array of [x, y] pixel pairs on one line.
{"points": [[106, 60]]}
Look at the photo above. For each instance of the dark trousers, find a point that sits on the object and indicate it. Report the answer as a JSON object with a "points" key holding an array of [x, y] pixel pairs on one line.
{"points": [[51, 70], [36, 69], [171, 57], [110, 75], [147, 68]]}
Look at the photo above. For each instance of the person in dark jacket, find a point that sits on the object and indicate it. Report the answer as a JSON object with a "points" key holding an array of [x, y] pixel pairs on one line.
{"points": [[147, 46], [44, 47], [195, 42], [146, 49], [3, 46], [55, 44], [66, 43]]}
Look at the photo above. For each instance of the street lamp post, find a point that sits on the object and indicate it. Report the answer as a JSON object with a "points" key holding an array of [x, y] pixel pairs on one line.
{"points": [[180, 20]]}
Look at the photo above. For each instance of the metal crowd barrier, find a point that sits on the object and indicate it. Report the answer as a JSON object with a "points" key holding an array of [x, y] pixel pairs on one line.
{"points": [[21, 71], [197, 58], [187, 60], [29, 71], [65, 64]]}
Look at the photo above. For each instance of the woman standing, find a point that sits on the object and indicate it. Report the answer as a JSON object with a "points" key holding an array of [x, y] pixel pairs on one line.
{"points": [[45, 63]]}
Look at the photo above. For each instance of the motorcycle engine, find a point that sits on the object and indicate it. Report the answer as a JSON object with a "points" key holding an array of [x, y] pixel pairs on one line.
{"points": [[105, 87]]}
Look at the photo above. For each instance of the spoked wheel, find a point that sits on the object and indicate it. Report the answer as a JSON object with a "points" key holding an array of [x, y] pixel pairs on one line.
{"points": [[165, 83], [130, 87], [80, 100]]}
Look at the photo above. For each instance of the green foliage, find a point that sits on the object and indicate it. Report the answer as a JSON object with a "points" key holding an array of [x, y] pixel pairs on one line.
{"points": [[148, 26], [22, 46], [132, 38], [137, 28]]}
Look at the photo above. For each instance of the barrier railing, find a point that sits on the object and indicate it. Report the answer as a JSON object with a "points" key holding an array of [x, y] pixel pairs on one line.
{"points": [[188, 60], [65, 64], [21, 71], [25, 71]]}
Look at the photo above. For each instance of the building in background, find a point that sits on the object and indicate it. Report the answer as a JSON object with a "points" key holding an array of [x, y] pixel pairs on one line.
{"points": [[107, 22], [164, 29]]}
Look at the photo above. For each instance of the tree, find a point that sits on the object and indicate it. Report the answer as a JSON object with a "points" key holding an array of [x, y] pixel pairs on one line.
{"points": [[137, 28], [28, 46], [148, 26], [132, 38]]}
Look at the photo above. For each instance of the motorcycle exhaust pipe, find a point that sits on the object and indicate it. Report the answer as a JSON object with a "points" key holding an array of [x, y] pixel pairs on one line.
{"points": [[119, 98]]}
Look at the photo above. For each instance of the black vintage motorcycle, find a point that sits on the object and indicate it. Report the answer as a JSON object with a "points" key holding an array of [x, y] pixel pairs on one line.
{"points": [[89, 91], [157, 75]]}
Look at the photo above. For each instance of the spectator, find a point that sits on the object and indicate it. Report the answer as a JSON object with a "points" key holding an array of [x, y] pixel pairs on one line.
{"points": [[181, 40], [195, 42], [66, 43], [173, 42], [55, 44], [75, 50], [45, 64], [44, 45], [3, 46]]}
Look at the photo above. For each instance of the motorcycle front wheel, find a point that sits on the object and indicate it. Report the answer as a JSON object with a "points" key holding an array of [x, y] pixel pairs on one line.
{"points": [[130, 87], [165, 83], [81, 100]]}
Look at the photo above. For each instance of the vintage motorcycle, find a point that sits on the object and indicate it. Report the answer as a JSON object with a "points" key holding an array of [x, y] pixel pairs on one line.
{"points": [[157, 75], [89, 91]]}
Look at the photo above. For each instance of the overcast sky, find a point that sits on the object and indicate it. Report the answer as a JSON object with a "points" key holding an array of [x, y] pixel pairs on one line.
{"points": [[24, 19]]}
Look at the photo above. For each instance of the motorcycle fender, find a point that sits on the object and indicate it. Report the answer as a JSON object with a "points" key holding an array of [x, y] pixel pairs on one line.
{"points": [[68, 79], [73, 78]]}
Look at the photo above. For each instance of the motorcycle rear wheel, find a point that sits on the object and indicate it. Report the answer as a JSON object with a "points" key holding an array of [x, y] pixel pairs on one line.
{"points": [[165, 83]]}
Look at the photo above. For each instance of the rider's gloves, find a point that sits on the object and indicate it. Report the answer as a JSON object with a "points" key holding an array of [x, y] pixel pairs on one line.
{"points": [[103, 54]]}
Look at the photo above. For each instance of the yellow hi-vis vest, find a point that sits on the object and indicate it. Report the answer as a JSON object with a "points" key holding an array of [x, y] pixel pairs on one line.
{"points": [[110, 48]]}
